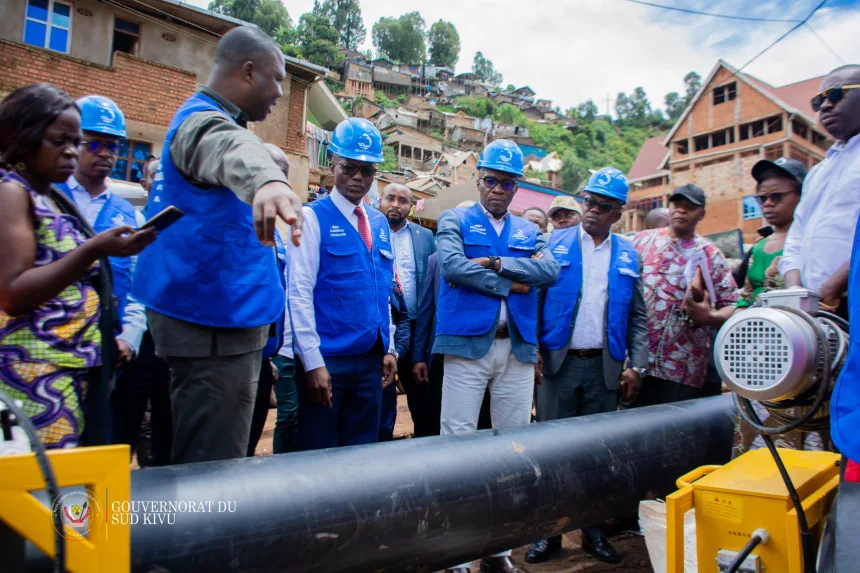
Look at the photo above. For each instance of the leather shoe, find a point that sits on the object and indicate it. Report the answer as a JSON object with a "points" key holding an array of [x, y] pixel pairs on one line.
{"points": [[457, 570], [540, 551], [499, 565], [600, 548]]}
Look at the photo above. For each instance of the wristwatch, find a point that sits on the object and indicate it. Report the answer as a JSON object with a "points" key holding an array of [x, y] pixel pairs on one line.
{"points": [[640, 371], [493, 260], [395, 354]]}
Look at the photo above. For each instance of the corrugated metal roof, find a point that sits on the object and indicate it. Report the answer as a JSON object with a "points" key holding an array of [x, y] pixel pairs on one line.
{"points": [[649, 159]]}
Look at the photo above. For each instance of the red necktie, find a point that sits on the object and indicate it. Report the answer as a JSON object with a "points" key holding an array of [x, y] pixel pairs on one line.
{"points": [[363, 227]]}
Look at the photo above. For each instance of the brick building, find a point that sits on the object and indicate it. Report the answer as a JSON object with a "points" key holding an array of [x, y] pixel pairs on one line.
{"points": [[733, 121], [147, 55]]}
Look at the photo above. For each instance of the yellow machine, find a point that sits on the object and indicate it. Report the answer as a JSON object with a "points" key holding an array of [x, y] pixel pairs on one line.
{"points": [[745, 495]]}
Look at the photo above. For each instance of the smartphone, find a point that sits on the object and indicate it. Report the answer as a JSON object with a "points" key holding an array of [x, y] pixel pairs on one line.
{"points": [[164, 219]]}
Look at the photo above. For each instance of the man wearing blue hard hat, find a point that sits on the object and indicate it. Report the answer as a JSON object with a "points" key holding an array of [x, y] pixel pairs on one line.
{"points": [[593, 320], [339, 300], [492, 263]]}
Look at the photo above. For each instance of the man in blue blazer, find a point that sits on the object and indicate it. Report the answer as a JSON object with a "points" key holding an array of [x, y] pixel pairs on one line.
{"points": [[413, 246], [492, 264]]}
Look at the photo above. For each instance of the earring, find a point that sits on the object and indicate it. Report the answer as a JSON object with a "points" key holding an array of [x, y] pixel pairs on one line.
{"points": [[19, 167]]}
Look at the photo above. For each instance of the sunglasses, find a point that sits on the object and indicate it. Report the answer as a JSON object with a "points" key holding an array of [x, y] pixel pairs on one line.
{"points": [[96, 146], [834, 95], [350, 170], [604, 208], [507, 184], [776, 198]]}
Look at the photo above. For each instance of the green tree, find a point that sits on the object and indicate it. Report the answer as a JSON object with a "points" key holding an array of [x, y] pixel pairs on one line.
{"points": [[692, 83], [317, 39], [444, 44], [485, 71], [401, 39], [587, 111], [389, 159], [511, 88], [476, 106], [270, 16], [510, 115], [345, 17], [675, 105], [634, 109]]}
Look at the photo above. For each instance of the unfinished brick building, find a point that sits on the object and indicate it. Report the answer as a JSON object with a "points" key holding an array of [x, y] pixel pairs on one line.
{"points": [[732, 122]]}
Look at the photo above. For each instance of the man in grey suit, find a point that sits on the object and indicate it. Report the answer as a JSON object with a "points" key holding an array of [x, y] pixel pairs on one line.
{"points": [[413, 246], [492, 264], [593, 320]]}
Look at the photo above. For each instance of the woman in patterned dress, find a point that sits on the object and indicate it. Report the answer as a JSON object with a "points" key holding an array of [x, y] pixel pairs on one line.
{"points": [[51, 267]]}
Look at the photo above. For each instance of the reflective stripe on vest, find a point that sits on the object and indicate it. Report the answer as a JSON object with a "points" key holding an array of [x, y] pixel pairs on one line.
{"points": [[209, 268], [466, 312], [351, 293], [561, 298]]}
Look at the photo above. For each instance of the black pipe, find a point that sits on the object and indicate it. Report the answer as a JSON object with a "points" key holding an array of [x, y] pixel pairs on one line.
{"points": [[423, 504]]}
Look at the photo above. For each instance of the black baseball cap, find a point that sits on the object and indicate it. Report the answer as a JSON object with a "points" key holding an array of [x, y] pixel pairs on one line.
{"points": [[791, 167], [694, 194]]}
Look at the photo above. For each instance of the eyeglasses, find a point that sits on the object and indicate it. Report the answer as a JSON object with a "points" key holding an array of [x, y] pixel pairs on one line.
{"points": [[507, 184], [834, 95], [350, 170], [95, 146], [776, 197], [604, 208]]}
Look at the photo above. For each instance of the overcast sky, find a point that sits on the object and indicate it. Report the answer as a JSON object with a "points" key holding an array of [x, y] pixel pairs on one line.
{"points": [[572, 50]]}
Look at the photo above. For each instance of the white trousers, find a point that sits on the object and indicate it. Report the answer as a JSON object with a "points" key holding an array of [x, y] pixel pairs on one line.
{"points": [[511, 384]]}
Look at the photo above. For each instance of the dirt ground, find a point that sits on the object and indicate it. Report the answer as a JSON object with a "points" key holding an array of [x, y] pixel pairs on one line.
{"points": [[571, 559]]}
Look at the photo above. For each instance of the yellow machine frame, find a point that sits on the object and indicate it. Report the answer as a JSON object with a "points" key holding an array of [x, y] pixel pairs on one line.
{"points": [[104, 471], [748, 493]]}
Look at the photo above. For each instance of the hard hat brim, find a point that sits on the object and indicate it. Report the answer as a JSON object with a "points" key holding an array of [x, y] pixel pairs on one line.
{"points": [[108, 131], [602, 192], [502, 168], [367, 158]]}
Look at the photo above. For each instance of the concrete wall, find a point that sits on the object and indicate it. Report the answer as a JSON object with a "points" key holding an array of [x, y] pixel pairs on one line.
{"points": [[92, 36]]}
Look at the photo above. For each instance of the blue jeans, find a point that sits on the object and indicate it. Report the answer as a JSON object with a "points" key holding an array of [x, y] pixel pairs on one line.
{"points": [[353, 419], [288, 406]]}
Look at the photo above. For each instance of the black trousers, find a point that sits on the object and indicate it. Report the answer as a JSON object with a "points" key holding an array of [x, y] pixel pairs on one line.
{"points": [[146, 380], [658, 391], [261, 405]]}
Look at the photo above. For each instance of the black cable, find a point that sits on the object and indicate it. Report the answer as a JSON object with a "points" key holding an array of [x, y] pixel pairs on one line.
{"points": [[805, 535], [835, 318], [47, 473], [699, 13], [745, 552]]}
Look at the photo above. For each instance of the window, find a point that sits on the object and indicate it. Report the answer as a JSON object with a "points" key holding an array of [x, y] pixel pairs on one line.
{"points": [[682, 147], [428, 155], [725, 93], [799, 155], [751, 208], [126, 35], [819, 140], [131, 157], [48, 25], [773, 153], [702, 142], [800, 129], [405, 152], [752, 129], [774, 124], [723, 137]]}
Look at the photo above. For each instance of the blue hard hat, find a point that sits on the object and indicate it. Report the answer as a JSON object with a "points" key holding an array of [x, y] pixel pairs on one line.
{"points": [[101, 115], [609, 182], [357, 139], [502, 155]]}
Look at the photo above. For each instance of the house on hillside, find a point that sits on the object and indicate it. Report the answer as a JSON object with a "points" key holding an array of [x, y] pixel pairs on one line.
{"points": [[525, 92], [366, 109], [549, 166], [533, 113], [544, 105], [457, 167], [395, 116], [148, 58], [468, 138], [507, 131], [500, 98], [358, 79], [414, 149], [391, 82], [734, 120]]}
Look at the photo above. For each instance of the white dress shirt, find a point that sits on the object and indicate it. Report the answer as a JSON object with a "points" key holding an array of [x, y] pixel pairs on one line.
{"points": [[820, 239], [590, 323], [304, 263], [286, 348], [404, 253], [499, 226], [134, 319]]}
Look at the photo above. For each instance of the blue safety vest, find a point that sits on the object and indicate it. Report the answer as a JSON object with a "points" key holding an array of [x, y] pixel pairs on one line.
{"points": [[116, 212], [845, 403], [562, 298], [208, 268], [466, 312], [273, 345], [351, 293]]}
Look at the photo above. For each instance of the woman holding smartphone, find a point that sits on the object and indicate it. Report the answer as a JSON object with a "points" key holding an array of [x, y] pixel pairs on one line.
{"points": [[56, 310]]}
